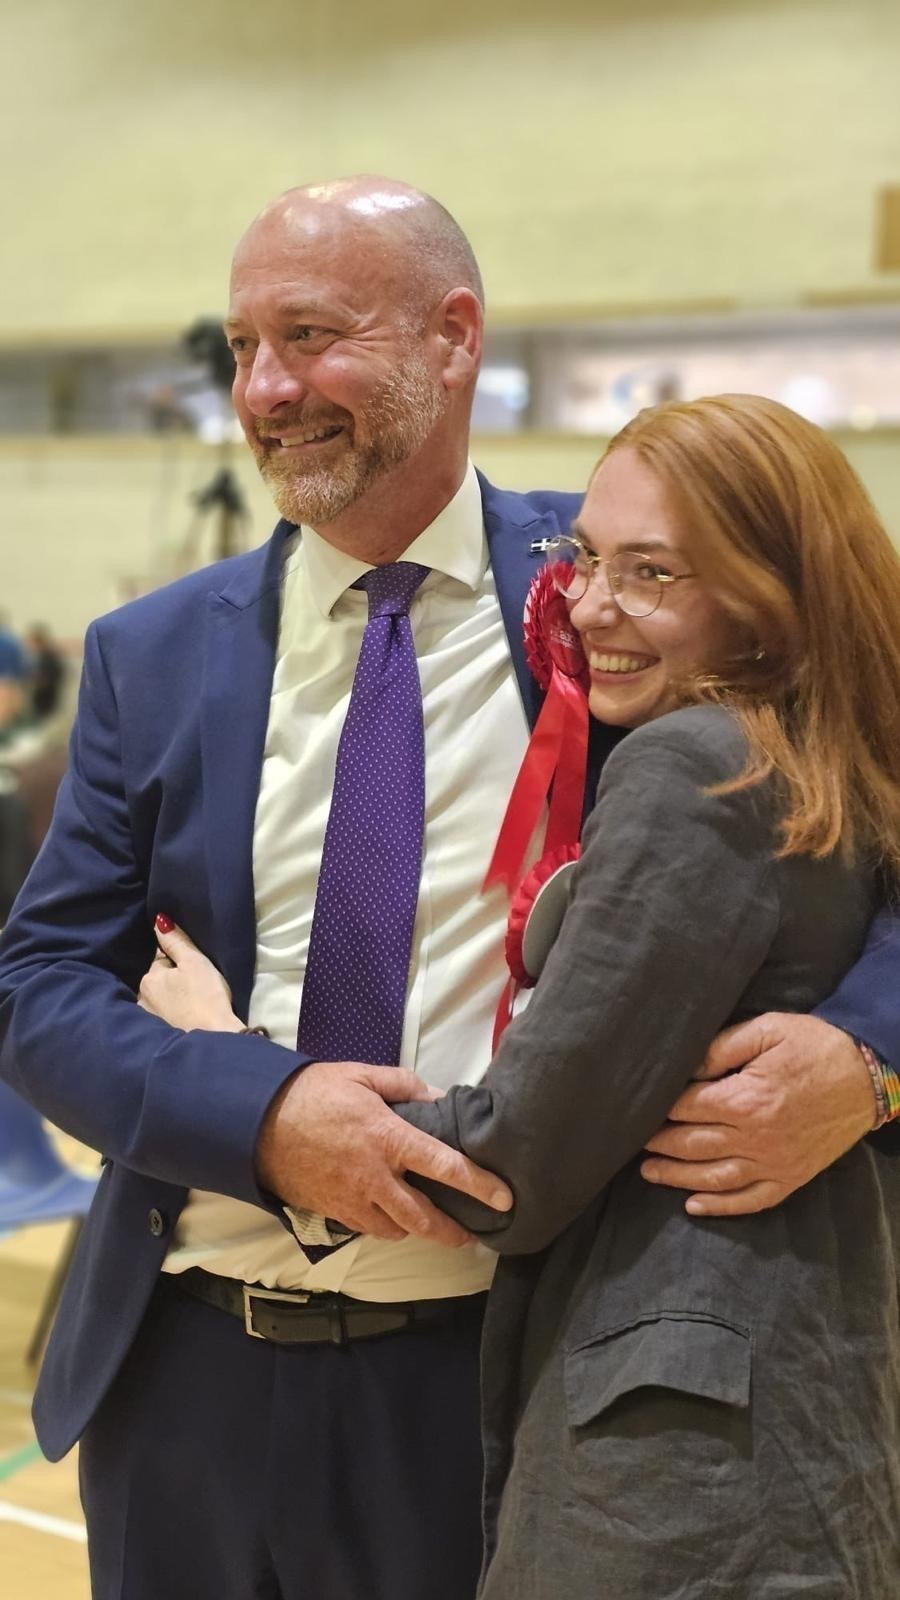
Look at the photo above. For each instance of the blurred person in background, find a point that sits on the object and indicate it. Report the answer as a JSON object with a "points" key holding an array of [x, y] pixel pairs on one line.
{"points": [[46, 671], [15, 852], [13, 677], [29, 693], [12, 653], [269, 1352], [12, 706], [15, 856]]}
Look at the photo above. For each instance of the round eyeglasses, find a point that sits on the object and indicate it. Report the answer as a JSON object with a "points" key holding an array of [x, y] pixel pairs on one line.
{"points": [[636, 582]]}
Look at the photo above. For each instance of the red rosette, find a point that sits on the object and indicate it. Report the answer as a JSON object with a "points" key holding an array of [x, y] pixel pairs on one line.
{"points": [[550, 639], [556, 759], [526, 904]]}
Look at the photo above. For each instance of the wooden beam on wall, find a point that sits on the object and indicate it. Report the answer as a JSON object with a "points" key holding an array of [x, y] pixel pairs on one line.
{"points": [[887, 229]]}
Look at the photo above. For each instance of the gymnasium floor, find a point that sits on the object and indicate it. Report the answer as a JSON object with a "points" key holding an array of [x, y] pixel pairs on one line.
{"points": [[42, 1548]]}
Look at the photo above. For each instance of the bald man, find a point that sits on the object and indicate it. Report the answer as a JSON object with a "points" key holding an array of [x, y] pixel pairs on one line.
{"points": [[266, 1344]]}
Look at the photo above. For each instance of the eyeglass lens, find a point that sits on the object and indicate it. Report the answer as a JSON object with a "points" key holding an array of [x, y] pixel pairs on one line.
{"points": [[632, 579]]}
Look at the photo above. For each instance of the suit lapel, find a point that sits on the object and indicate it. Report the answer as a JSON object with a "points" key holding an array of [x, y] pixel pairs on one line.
{"points": [[241, 636], [511, 526]]}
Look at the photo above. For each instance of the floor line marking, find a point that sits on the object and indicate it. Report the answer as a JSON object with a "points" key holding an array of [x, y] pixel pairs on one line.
{"points": [[43, 1524], [23, 1457]]}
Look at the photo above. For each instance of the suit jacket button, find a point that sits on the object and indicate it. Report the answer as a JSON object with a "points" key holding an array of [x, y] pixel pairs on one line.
{"points": [[156, 1223]]}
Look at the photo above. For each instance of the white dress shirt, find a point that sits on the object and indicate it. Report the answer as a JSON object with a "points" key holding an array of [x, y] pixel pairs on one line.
{"points": [[475, 737]]}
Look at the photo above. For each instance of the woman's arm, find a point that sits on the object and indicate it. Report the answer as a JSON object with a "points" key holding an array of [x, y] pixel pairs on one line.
{"points": [[673, 912]]}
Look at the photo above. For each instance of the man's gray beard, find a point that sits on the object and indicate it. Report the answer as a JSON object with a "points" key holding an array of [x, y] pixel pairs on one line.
{"points": [[397, 420]]}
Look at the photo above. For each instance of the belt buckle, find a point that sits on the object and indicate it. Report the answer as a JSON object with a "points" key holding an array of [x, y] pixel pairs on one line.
{"points": [[294, 1298]]}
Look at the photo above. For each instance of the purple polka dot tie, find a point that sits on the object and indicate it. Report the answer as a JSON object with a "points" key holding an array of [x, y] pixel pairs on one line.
{"points": [[357, 968]]}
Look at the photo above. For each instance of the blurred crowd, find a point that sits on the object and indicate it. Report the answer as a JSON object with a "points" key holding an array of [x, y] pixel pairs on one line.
{"points": [[33, 726]]}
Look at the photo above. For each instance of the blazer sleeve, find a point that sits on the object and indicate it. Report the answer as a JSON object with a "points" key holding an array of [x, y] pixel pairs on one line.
{"points": [[674, 908], [183, 1107], [866, 1002]]}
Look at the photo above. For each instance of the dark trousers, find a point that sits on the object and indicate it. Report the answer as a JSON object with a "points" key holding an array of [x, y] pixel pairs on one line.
{"points": [[222, 1467]]}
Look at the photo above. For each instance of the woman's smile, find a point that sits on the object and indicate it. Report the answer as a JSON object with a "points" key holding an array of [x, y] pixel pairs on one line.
{"points": [[607, 663]]}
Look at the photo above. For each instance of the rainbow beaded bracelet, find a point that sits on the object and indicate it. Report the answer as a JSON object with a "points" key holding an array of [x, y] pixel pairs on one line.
{"points": [[885, 1084]]}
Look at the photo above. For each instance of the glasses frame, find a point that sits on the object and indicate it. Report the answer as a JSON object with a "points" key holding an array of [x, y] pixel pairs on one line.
{"points": [[565, 541]]}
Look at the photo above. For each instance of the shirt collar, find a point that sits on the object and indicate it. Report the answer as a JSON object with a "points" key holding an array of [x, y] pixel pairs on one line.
{"points": [[453, 544]]}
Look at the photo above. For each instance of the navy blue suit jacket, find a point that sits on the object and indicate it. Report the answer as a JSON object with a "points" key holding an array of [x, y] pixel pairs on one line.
{"points": [[156, 814]]}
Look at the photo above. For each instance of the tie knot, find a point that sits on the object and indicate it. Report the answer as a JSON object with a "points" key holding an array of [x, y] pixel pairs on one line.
{"points": [[390, 589]]}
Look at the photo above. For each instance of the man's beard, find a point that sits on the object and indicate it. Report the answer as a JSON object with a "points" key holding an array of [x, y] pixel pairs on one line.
{"points": [[395, 422]]}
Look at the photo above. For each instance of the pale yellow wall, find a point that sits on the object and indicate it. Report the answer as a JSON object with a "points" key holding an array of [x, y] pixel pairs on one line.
{"points": [[599, 151], [601, 155]]}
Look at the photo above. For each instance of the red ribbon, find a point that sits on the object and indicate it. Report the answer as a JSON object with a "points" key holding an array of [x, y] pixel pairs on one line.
{"points": [[519, 912], [503, 1014], [557, 750]]}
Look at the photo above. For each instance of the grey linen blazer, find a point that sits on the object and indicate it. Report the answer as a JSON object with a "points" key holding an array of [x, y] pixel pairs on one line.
{"points": [[678, 1408]]}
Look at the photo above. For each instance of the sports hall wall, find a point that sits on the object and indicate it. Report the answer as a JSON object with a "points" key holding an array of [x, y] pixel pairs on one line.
{"points": [[607, 159]]}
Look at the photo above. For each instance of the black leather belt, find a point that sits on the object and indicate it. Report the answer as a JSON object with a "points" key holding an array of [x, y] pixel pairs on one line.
{"points": [[291, 1316]]}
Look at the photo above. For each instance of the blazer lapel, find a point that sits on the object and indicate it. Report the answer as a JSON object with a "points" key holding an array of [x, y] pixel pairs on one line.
{"points": [[241, 636], [512, 526]]}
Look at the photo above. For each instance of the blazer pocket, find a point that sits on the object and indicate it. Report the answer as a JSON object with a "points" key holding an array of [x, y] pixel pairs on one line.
{"points": [[693, 1354]]}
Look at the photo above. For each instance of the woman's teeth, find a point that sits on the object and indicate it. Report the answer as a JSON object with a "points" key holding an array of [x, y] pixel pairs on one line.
{"points": [[607, 663]]}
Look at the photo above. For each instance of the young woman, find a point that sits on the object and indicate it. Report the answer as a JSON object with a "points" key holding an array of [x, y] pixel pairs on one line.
{"points": [[677, 1407]]}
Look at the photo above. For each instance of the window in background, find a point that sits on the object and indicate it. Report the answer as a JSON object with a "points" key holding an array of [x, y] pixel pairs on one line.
{"points": [[841, 368], [503, 396]]}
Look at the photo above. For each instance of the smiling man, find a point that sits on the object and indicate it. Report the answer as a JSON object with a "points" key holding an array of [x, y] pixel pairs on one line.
{"points": [[334, 386], [303, 756]]}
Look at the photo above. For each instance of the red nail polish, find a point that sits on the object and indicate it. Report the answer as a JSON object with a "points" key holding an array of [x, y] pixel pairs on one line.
{"points": [[164, 923]]}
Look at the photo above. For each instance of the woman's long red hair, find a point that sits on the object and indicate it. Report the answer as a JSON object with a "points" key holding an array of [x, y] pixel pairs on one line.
{"points": [[785, 535]]}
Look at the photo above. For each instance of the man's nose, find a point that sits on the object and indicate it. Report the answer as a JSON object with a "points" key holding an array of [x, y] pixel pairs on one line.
{"points": [[271, 383]]}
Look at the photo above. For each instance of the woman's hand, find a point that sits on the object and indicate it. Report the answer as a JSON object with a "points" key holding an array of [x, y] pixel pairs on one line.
{"points": [[183, 987]]}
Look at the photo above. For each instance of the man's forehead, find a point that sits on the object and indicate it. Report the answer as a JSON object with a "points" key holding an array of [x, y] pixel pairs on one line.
{"points": [[284, 228], [303, 256], [330, 212], [299, 239]]}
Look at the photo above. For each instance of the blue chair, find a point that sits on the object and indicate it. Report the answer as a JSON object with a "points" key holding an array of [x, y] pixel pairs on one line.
{"points": [[36, 1185]]}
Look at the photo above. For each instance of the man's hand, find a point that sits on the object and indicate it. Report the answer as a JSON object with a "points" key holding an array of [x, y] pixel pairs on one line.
{"points": [[330, 1144], [801, 1098]]}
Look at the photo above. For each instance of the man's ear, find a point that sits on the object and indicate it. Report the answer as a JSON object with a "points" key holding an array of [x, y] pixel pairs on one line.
{"points": [[459, 323]]}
